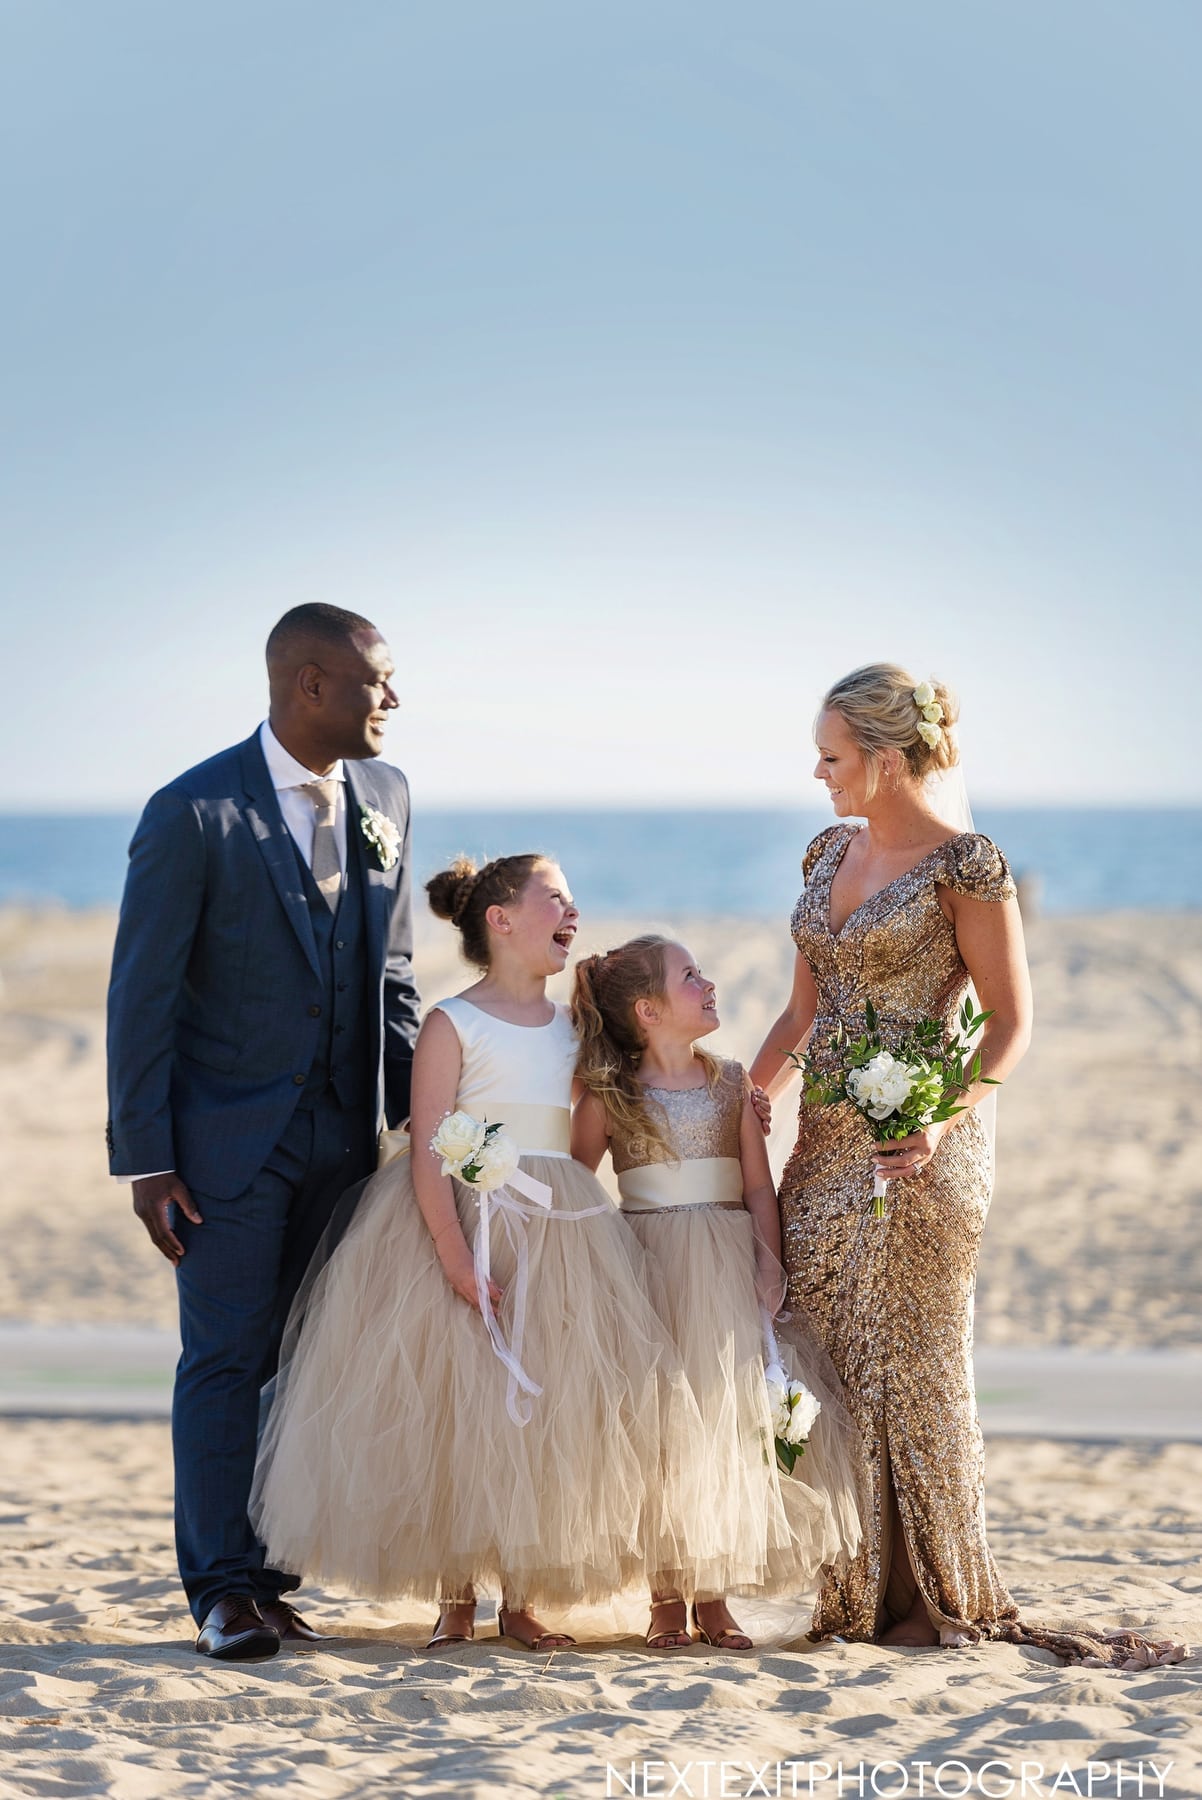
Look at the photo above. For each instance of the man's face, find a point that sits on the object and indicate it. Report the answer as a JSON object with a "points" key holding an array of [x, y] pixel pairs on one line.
{"points": [[356, 697]]}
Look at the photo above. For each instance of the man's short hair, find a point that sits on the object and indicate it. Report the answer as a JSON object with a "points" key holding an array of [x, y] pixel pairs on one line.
{"points": [[314, 624]]}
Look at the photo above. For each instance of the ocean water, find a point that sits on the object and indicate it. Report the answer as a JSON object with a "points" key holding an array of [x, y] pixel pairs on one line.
{"points": [[653, 864]]}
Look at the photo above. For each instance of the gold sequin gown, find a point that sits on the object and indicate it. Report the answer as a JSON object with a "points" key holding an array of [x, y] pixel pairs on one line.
{"points": [[738, 1524], [893, 1300]]}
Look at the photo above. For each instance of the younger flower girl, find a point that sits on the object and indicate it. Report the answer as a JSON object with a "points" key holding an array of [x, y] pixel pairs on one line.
{"points": [[420, 1444], [688, 1151]]}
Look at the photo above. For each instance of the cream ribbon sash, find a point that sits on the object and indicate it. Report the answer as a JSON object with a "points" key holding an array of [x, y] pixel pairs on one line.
{"points": [[695, 1181]]}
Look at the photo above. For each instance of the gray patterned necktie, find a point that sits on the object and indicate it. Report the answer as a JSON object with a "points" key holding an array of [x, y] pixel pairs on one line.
{"points": [[327, 870]]}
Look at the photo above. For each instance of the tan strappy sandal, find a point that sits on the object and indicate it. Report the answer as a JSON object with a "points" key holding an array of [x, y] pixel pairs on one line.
{"points": [[443, 1638], [546, 1640], [675, 1637], [729, 1638]]}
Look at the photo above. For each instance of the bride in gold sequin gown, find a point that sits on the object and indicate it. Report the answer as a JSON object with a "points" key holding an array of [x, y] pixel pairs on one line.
{"points": [[902, 913]]}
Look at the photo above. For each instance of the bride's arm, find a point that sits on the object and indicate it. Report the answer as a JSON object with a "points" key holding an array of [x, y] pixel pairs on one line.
{"points": [[989, 934], [789, 1031], [437, 1062]]}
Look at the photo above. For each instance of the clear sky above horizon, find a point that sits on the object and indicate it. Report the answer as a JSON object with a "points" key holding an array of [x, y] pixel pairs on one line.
{"points": [[639, 368]]}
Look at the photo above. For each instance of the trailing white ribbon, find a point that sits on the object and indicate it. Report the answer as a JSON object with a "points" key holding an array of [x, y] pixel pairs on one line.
{"points": [[773, 1367], [513, 1213]]}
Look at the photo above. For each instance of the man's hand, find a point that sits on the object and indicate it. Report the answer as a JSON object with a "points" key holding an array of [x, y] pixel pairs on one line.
{"points": [[152, 1197]]}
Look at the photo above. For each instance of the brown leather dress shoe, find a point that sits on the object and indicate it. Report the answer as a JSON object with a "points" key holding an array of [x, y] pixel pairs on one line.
{"points": [[288, 1625], [236, 1631]]}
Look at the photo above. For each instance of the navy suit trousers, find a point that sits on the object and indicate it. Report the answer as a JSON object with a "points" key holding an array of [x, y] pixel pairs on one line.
{"points": [[239, 1274]]}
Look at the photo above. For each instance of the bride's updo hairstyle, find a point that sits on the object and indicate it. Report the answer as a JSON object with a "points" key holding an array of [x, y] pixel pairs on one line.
{"points": [[611, 1044], [877, 704], [463, 894]]}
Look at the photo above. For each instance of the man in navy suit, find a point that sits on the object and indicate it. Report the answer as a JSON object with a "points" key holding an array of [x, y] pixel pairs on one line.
{"points": [[262, 1014]]}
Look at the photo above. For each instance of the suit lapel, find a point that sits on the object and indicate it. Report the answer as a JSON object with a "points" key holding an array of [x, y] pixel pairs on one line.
{"points": [[361, 791], [266, 821]]}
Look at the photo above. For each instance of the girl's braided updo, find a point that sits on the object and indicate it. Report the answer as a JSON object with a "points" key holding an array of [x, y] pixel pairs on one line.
{"points": [[463, 894]]}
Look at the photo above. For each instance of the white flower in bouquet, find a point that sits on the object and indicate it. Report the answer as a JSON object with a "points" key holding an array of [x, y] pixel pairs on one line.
{"points": [[457, 1141], [495, 1163], [794, 1409], [881, 1085], [804, 1408]]}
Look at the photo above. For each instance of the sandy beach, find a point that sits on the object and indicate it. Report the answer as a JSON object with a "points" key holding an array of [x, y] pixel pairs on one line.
{"points": [[103, 1694], [1092, 1242]]}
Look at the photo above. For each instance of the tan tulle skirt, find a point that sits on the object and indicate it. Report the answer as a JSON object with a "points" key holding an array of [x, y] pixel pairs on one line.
{"points": [[389, 1464], [758, 1530]]}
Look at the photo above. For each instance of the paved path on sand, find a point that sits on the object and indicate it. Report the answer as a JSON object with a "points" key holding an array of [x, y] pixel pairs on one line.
{"points": [[124, 1371]]}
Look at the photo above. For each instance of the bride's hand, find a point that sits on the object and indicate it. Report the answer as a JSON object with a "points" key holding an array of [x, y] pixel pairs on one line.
{"points": [[459, 1267], [909, 1155]]}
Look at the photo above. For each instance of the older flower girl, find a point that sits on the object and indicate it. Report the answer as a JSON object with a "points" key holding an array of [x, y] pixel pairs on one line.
{"points": [[692, 1170], [424, 1444]]}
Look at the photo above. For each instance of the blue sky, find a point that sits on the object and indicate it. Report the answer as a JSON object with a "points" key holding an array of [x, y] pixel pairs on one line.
{"points": [[639, 368]]}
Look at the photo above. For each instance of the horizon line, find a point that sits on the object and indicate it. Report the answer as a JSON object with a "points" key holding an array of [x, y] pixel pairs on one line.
{"points": [[633, 805]]}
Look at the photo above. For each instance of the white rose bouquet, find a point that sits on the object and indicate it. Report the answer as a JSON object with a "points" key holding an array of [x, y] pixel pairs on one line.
{"points": [[902, 1090], [794, 1410], [481, 1155]]}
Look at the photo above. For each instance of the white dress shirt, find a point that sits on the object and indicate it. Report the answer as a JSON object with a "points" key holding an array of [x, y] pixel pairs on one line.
{"points": [[300, 816]]}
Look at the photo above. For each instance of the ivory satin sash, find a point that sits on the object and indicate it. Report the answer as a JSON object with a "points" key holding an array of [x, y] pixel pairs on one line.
{"points": [[536, 1130], [697, 1181]]}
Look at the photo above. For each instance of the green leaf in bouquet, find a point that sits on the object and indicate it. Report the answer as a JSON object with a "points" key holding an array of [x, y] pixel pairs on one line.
{"points": [[786, 1455]]}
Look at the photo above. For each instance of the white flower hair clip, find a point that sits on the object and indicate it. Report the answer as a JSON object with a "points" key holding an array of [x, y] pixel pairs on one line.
{"points": [[929, 729]]}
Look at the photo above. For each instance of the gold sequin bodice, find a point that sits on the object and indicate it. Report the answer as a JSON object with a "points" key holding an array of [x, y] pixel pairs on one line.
{"points": [[702, 1122], [898, 949]]}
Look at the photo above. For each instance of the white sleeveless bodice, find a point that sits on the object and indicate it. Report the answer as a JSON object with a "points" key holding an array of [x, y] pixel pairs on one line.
{"points": [[519, 1076]]}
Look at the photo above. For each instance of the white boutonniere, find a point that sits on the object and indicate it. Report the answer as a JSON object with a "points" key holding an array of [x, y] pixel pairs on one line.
{"points": [[383, 836]]}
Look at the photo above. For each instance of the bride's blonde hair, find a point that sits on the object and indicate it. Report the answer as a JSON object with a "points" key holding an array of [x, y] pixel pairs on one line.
{"points": [[604, 993], [877, 705]]}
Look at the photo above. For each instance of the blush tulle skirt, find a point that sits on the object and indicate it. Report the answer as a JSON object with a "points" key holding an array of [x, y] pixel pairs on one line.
{"points": [[390, 1465], [760, 1531]]}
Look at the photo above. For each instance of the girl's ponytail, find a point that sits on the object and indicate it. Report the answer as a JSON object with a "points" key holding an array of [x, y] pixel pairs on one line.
{"points": [[603, 996]]}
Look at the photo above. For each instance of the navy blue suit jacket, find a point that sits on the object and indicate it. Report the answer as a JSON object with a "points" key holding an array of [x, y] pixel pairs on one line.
{"points": [[216, 974]]}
